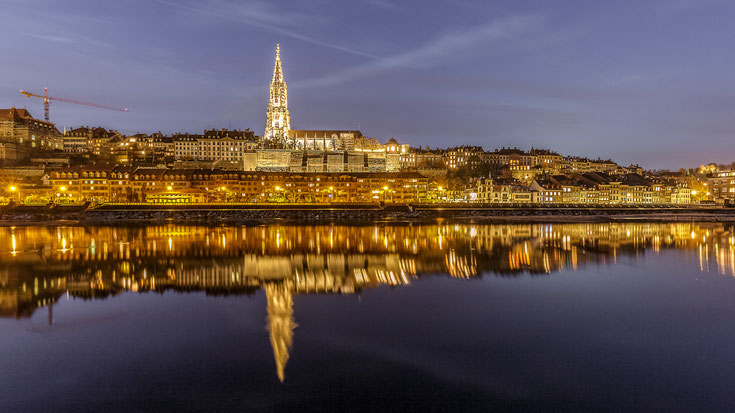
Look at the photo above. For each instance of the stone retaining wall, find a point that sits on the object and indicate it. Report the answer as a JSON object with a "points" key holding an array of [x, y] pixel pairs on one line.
{"points": [[251, 215]]}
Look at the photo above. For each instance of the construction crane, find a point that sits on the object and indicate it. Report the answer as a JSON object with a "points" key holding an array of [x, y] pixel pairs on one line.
{"points": [[47, 100]]}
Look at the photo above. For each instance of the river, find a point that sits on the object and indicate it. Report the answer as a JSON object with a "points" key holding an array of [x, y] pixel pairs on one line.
{"points": [[576, 316]]}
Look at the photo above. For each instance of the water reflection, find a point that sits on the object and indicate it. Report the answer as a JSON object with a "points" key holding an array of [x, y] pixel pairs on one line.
{"points": [[39, 265]]}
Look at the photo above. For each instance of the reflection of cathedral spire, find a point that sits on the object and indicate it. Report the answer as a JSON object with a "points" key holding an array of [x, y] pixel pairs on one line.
{"points": [[280, 322]]}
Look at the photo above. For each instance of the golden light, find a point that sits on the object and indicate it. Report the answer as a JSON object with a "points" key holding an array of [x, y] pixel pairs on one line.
{"points": [[278, 188], [385, 188], [13, 189], [170, 188], [63, 188], [694, 192]]}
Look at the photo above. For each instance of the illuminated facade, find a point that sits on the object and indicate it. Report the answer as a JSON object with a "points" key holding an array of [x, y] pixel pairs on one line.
{"points": [[215, 145], [723, 186], [587, 189], [128, 184], [324, 140], [278, 123]]}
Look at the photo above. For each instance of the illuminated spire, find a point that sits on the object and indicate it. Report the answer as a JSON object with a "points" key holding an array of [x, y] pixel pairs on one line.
{"points": [[277, 69], [278, 122], [280, 323]]}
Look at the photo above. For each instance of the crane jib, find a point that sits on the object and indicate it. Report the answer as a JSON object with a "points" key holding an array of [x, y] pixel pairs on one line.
{"points": [[46, 100]]}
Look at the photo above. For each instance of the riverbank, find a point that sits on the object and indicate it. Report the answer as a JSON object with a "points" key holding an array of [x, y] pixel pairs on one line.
{"points": [[347, 214]]}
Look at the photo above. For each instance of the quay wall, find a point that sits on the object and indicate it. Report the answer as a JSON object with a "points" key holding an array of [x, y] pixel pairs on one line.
{"points": [[248, 214]]}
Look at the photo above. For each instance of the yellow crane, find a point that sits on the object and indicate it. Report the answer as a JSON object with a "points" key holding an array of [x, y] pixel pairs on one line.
{"points": [[47, 100]]}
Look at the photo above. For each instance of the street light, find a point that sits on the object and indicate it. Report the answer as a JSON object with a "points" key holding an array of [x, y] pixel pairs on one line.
{"points": [[61, 192], [14, 189]]}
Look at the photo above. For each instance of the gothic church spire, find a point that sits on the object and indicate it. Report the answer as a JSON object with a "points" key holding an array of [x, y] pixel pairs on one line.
{"points": [[278, 122]]}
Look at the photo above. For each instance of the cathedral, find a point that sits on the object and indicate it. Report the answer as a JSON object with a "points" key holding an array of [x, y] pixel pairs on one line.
{"points": [[278, 122], [279, 135], [284, 149]]}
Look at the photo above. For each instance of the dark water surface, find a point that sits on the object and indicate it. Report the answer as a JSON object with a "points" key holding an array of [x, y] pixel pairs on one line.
{"points": [[603, 316]]}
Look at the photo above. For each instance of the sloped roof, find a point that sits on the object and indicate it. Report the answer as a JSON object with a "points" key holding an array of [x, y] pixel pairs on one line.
{"points": [[635, 180], [21, 115]]}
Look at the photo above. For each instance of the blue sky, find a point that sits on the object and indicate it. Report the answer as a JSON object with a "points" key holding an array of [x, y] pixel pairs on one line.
{"points": [[647, 82]]}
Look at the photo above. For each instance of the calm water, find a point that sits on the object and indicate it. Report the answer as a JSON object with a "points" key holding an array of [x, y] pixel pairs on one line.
{"points": [[438, 317]]}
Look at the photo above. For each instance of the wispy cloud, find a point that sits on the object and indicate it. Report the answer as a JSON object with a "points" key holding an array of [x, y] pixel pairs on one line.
{"points": [[49, 37], [68, 39], [386, 5], [680, 6], [262, 16], [448, 46]]}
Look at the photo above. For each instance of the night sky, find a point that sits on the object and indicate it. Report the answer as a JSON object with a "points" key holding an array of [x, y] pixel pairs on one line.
{"points": [[647, 82]]}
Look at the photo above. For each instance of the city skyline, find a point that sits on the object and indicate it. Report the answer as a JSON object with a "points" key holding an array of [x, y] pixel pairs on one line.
{"points": [[492, 75], [406, 205]]}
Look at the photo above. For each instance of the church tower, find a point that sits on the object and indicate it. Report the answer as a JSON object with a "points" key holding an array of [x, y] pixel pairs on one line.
{"points": [[279, 122]]}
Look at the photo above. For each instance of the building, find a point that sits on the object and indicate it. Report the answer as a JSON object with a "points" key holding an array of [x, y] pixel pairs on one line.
{"points": [[89, 183], [129, 184], [462, 156], [547, 159], [13, 152], [278, 123], [592, 188], [98, 138], [215, 145], [161, 148], [285, 160], [722, 186], [76, 140], [548, 190], [514, 158], [88, 140], [125, 150], [20, 127], [324, 140], [392, 146]]}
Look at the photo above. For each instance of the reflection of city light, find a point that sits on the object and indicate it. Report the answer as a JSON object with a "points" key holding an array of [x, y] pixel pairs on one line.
{"points": [[466, 248], [356, 258]]}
